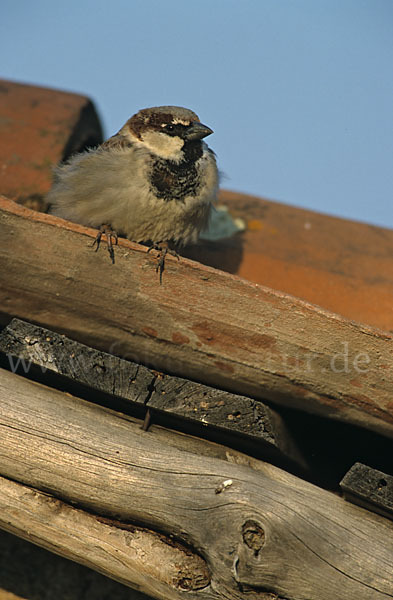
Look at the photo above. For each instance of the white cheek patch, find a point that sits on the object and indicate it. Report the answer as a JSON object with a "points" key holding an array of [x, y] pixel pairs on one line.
{"points": [[163, 145]]}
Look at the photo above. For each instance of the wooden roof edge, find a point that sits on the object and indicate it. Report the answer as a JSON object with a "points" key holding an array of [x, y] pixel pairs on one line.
{"points": [[15, 208]]}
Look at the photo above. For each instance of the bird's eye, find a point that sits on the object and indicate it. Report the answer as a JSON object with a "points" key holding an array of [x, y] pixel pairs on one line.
{"points": [[170, 127]]}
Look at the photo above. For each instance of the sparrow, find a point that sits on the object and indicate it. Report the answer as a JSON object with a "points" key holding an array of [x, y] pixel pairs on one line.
{"points": [[153, 182]]}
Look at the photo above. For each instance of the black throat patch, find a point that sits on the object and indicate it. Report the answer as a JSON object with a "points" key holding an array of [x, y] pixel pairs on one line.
{"points": [[176, 181]]}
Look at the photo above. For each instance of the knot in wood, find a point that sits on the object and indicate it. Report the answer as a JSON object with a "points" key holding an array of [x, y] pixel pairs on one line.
{"points": [[189, 580], [192, 574], [253, 536]]}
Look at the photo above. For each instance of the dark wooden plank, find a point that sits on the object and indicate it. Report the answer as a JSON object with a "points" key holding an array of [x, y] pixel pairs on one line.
{"points": [[26, 348], [211, 406], [370, 488], [30, 348]]}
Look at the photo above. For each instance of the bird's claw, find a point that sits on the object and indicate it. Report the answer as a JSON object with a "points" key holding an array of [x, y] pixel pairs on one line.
{"points": [[162, 249], [111, 239]]}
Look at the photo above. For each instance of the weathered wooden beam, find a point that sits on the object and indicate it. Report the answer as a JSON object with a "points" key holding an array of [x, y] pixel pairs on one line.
{"points": [[143, 559], [201, 323], [57, 361], [262, 531]]}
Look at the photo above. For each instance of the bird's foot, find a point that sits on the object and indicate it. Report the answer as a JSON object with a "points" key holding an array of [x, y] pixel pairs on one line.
{"points": [[163, 249], [111, 239]]}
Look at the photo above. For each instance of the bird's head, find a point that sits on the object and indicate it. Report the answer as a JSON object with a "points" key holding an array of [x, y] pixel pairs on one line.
{"points": [[165, 130]]}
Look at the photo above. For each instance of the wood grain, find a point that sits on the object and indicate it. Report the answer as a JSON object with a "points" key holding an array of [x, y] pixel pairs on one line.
{"points": [[132, 555], [201, 324], [260, 531]]}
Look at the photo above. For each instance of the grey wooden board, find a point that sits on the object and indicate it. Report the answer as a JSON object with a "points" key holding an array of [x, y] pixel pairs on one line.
{"points": [[25, 346], [370, 488]]}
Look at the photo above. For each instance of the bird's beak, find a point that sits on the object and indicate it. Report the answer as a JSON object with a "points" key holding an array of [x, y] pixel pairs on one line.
{"points": [[198, 131]]}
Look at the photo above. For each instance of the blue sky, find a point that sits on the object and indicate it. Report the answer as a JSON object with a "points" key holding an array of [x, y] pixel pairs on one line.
{"points": [[299, 92]]}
